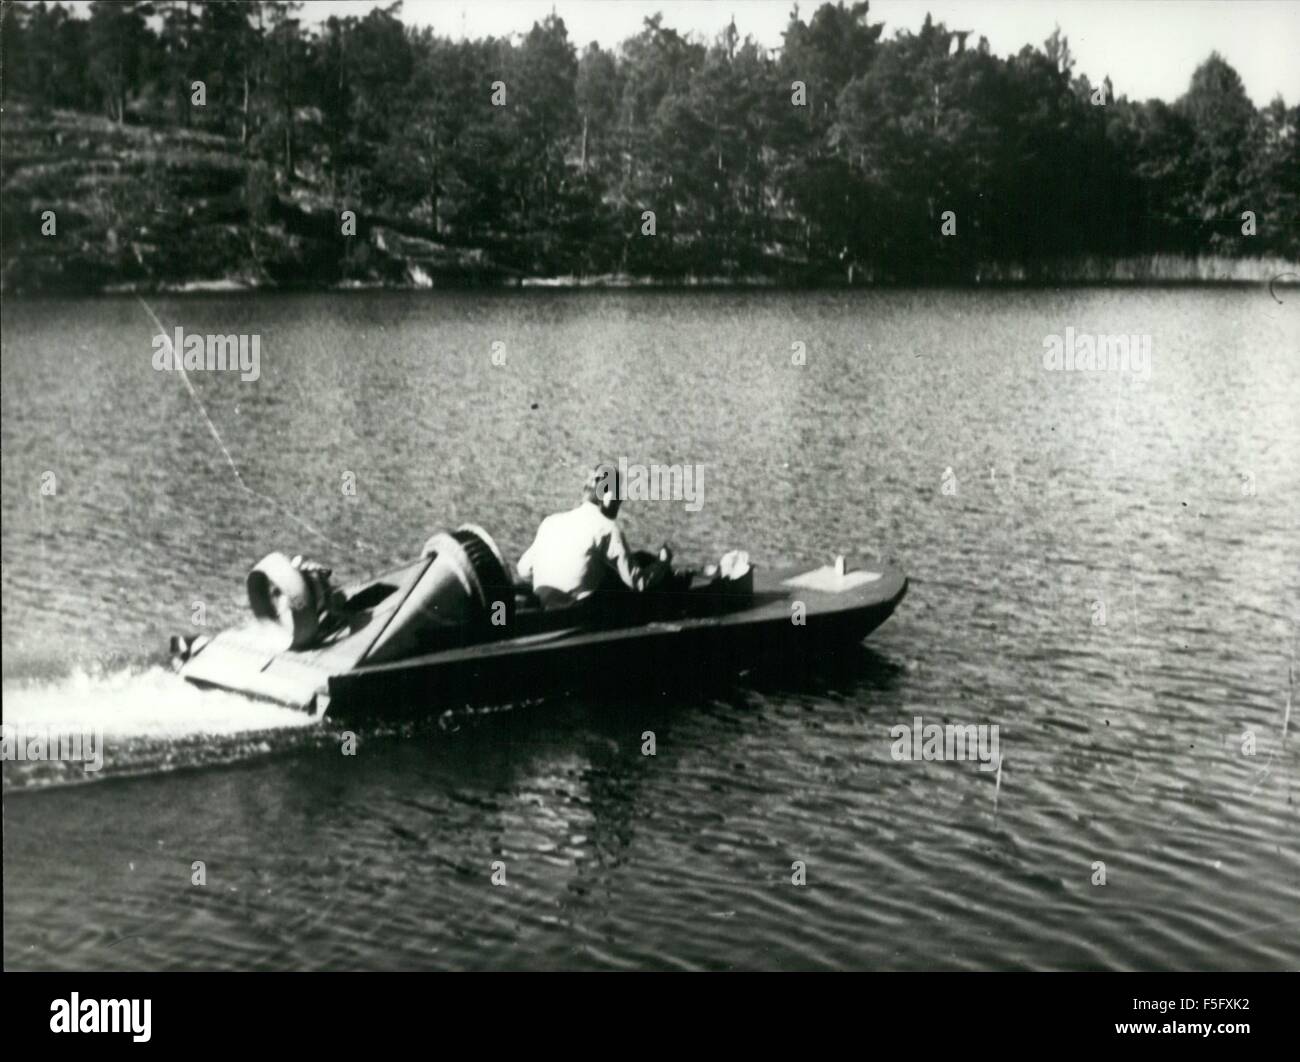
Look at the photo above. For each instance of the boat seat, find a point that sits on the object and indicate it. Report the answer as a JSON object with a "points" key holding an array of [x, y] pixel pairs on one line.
{"points": [[687, 595]]}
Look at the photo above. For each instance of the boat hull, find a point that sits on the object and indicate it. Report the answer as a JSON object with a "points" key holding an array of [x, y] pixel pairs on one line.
{"points": [[604, 659], [794, 617]]}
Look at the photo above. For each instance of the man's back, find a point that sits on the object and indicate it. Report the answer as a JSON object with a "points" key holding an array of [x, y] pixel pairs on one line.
{"points": [[572, 553]]}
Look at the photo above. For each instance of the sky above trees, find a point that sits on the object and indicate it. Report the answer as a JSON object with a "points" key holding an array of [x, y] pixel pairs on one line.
{"points": [[1148, 48]]}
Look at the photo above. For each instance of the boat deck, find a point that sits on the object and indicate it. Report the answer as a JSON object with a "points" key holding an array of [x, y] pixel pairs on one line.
{"points": [[790, 611]]}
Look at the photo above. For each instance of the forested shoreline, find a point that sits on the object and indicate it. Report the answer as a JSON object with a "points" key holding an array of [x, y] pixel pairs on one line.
{"points": [[177, 142]]}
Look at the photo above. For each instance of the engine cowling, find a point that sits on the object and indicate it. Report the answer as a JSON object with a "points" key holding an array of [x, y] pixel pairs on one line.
{"points": [[464, 595], [289, 596]]}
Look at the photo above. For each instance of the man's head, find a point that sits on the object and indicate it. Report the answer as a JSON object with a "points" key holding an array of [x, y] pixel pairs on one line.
{"points": [[602, 489]]}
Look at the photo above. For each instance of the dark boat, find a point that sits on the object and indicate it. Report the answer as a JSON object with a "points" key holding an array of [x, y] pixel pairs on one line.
{"points": [[453, 627]]}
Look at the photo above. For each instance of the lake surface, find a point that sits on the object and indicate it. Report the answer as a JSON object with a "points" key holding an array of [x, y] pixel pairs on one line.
{"points": [[922, 429]]}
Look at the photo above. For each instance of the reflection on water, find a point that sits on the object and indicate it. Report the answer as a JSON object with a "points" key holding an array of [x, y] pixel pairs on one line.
{"points": [[1103, 566]]}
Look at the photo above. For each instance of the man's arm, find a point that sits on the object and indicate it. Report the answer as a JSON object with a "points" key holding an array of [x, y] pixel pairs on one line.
{"points": [[635, 576], [525, 565]]}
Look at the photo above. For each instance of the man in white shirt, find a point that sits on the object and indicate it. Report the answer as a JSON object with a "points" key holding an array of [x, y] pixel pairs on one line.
{"points": [[575, 551]]}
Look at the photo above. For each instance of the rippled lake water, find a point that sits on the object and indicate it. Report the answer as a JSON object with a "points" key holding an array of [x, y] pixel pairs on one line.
{"points": [[1026, 505]]}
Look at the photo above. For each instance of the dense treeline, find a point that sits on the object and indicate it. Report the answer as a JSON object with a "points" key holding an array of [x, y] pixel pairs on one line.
{"points": [[834, 156]]}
